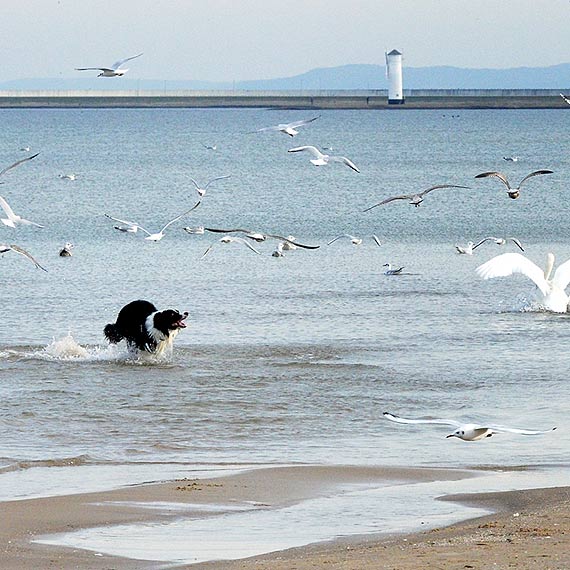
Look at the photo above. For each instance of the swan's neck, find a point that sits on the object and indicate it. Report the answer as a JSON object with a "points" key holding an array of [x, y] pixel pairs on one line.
{"points": [[549, 266]]}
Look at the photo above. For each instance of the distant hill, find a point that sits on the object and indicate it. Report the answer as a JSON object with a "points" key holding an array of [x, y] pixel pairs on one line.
{"points": [[356, 76]]}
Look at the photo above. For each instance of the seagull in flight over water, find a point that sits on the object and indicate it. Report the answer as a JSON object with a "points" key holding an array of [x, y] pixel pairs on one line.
{"points": [[289, 128], [13, 220], [202, 189], [114, 71], [470, 247], [231, 239], [17, 249], [259, 237], [467, 431], [17, 163], [513, 193], [322, 159], [355, 240], [415, 199]]}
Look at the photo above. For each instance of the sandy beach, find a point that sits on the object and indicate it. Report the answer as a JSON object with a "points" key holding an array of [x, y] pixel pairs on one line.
{"points": [[530, 529]]}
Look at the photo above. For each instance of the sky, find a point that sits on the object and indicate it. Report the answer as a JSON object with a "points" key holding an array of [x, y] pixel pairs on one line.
{"points": [[232, 40]]}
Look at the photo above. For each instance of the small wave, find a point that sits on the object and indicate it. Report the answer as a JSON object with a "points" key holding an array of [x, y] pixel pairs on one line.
{"points": [[58, 462]]}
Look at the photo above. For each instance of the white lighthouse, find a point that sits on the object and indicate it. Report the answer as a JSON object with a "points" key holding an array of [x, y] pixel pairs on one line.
{"points": [[394, 74]]}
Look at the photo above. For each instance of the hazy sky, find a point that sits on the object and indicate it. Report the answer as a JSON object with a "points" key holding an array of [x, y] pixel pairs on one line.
{"points": [[256, 39]]}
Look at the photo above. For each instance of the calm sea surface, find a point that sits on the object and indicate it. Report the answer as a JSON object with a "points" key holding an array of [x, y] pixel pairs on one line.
{"points": [[289, 359]]}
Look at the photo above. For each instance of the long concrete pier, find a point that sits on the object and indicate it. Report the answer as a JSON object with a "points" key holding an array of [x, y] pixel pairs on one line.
{"points": [[321, 99]]}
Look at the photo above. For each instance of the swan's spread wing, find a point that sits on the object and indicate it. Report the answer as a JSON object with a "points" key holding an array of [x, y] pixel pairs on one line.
{"points": [[503, 429], [403, 197], [302, 122], [214, 179], [511, 263], [180, 216], [535, 173], [440, 186], [18, 163], [18, 249], [562, 275], [4, 205], [312, 149], [439, 421], [498, 175], [118, 64]]}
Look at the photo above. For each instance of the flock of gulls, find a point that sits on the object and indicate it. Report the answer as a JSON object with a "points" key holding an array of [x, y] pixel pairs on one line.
{"points": [[550, 287]]}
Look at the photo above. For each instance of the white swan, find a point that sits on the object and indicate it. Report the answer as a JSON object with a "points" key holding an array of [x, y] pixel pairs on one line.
{"points": [[552, 296], [466, 432]]}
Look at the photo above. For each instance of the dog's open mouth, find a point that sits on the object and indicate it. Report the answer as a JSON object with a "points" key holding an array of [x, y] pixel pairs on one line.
{"points": [[180, 324]]}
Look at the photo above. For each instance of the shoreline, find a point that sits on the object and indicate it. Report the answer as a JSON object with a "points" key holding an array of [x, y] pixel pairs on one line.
{"points": [[276, 488]]}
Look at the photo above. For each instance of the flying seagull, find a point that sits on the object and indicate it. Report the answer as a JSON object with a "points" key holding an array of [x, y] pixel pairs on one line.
{"points": [[128, 227], [114, 71], [513, 193], [470, 247], [202, 189], [322, 159], [289, 128], [355, 240], [415, 199], [17, 249], [466, 432], [13, 220], [259, 237], [159, 235], [231, 239]]}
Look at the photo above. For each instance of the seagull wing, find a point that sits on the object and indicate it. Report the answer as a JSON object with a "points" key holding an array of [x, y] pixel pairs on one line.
{"points": [[345, 161], [562, 275], [517, 243], [4, 205], [18, 249], [304, 246], [511, 263], [220, 231], [440, 186], [498, 175], [208, 250], [339, 237], [376, 239], [302, 122], [18, 163], [180, 216], [503, 429], [118, 64], [121, 221], [312, 149], [245, 242], [483, 241], [195, 183], [565, 98], [535, 173], [399, 420], [94, 69], [402, 197], [217, 178]]}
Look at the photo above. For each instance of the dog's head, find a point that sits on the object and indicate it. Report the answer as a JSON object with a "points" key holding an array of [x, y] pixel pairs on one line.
{"points": [[169, 320]]}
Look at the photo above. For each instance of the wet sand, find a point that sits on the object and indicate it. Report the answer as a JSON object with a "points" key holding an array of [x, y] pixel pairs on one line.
{"points": [[530, 530]]}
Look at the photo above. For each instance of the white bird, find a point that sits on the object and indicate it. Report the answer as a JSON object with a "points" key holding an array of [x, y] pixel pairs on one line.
{"points": [[511, 158], [415, 199], [230, 239], [322, 159], [469, 431], [202, 189], [210, 146], [114, 71], [278, 252], [69, 176], [552, 296], [259, 237], [392, 270], [17, 163], [25, 148], [127, 227], [199, 230], [159, 235], [17, 249], [565, 98], [513, 193], [289, 128], [13, 220], [355, 240], [470, 247], [65, 251]]}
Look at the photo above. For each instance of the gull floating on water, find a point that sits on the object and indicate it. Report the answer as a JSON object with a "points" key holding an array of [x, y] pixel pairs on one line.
{"points": [[69, 176], [552, 295], [210, 146], [289, 128], [355, 240], [202, 189], [114, 71], [322, 159], [13, 220], [513, 193], [259, 237], [415, 199], [231, 239], [65, 251], [392, 270], [511, 158], [470, 247], [17, 249], [467, 431]]}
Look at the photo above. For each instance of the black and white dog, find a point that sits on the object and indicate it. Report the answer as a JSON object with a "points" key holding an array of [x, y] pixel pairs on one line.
{"points": [[145, 328]]}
